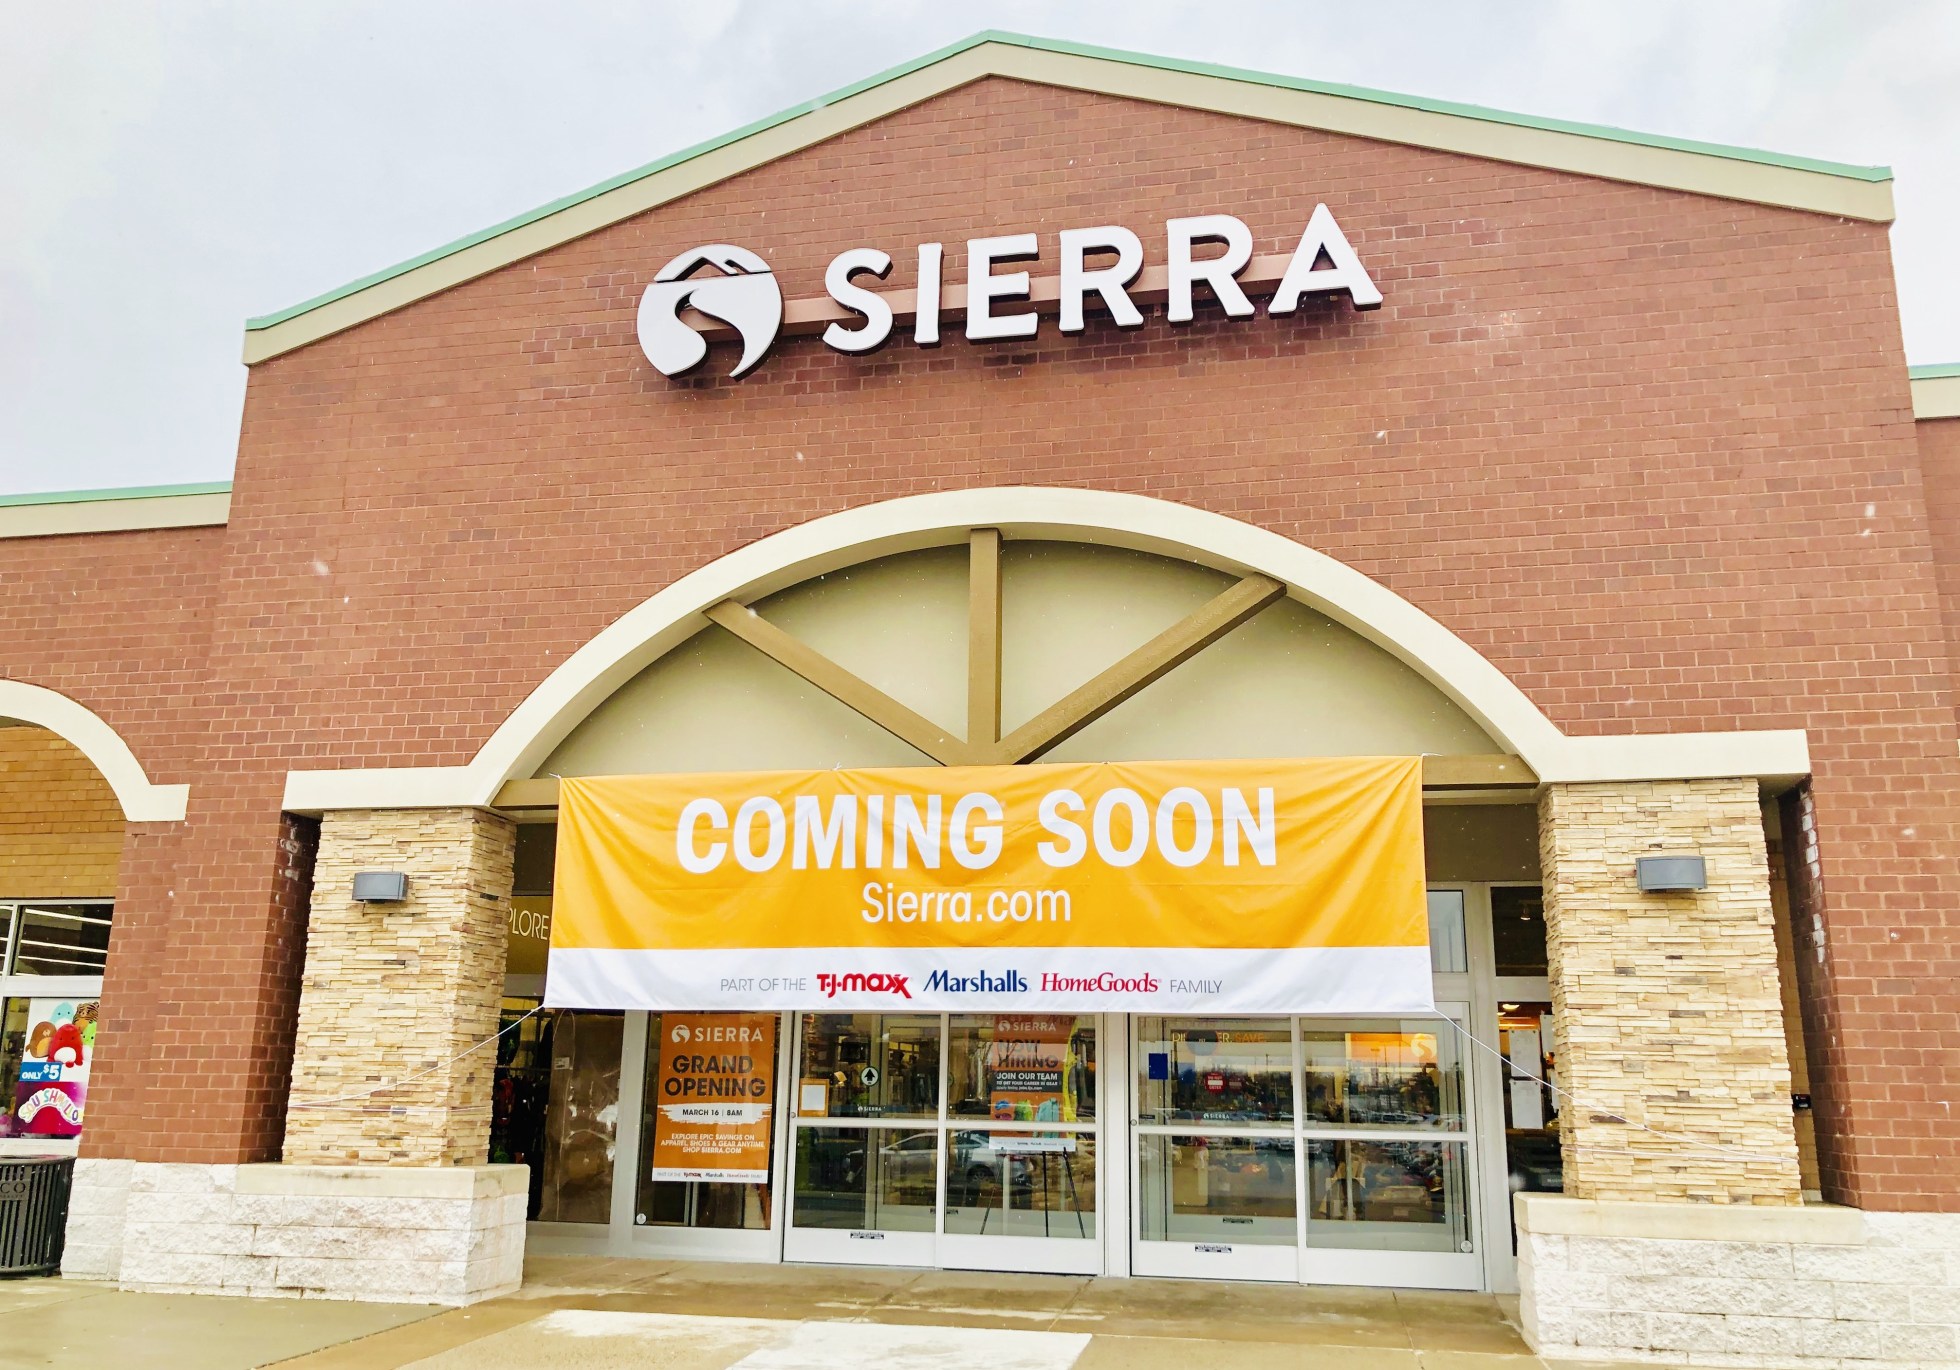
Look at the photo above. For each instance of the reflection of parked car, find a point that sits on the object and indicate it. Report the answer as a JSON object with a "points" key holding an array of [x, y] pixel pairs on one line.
{"points": [[909, 1167]]}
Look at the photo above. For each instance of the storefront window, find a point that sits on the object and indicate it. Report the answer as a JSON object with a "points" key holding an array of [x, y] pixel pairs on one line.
{"points": [[521, 1091], [1011, 1154], [1387, 1195], [866, 1179], [1215, 1070], [1528, 1040], [1218, 1189], [13, 1046], [1449, 951], [1017, 1184], [1382, 1074], [1382, 1134], [53, 953], [1022, 1067], [708, 1124], [1517, 927], [581, 1117], [869, 1065], [60, 939]]}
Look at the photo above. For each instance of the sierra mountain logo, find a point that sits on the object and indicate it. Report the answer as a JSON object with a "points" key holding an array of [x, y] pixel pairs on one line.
{"points": [[743, 295]]}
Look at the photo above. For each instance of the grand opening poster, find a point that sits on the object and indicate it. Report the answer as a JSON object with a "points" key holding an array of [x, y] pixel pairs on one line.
{"points": [[714, 1098]]}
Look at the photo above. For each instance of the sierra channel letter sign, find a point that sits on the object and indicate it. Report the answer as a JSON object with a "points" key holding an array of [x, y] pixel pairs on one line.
{"points": [[725, 291], [1170, 887]]}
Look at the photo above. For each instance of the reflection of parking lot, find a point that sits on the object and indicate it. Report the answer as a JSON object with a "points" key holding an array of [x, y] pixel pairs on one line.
{"points": [[1376, 1181], [839, 1171], [1243, 1176], [846, 1177]]}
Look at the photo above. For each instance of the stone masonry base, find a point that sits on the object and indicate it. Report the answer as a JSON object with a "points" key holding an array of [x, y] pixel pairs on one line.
{"points": [[395, 1234], [1737, 1285]]}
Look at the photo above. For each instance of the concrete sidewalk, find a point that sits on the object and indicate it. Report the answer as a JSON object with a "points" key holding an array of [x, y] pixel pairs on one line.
{"points": [[590, 1313]]}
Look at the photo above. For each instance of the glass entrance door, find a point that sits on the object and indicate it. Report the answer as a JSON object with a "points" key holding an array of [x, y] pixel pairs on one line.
{"points": [[1326, 1150], [952, 1140], [1217, 1154]]}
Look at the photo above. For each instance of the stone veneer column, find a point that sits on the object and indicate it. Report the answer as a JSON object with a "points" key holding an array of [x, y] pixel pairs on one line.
{"points": [[392, 991], [1667, 1004], [1694, 1247], [381, 1196]]}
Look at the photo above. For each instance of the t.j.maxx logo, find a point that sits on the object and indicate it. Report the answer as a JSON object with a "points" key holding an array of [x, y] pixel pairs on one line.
{"points": [[723, 292]]}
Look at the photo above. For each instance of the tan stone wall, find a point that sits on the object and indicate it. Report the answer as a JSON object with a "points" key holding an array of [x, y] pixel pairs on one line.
{"points": [[394, 990], [1668, 1008], [61, 829]]}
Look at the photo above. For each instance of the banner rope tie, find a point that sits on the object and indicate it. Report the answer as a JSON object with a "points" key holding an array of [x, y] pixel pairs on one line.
{"points": [[411, 1079], [1695, 1144]]}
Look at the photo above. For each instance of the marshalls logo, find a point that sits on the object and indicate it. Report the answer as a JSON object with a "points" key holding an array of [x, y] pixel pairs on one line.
{"points": [[744, 296]]}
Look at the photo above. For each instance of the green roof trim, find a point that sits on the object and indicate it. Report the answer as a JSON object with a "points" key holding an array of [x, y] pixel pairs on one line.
{"points": [[209, 487], [1446, 107], [1938, 372], [1461, 111], [687, 154]]}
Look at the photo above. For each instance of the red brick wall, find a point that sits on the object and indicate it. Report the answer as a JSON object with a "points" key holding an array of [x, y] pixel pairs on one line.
{"points": [[1939, 460], [121, 623], [1651, 453]]}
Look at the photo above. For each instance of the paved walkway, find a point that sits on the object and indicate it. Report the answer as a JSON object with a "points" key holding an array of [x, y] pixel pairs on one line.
{"points": [[591, 1313]]}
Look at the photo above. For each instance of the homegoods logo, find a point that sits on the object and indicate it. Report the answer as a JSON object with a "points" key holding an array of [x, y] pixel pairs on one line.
{"points": [[722, 291]]}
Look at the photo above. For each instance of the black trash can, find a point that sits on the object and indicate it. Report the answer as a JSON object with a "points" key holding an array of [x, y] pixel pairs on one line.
{"points": [[33, 1212]]}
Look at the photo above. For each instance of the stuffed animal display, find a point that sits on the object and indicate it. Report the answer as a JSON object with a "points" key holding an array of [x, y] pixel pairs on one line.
{"points": [[65, 1047]]}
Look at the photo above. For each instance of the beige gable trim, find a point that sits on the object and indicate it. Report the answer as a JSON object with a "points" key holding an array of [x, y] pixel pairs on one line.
{"points": [[115, 515], [1728, 174], [1936, 397], [142, 800], [1553, 149]]}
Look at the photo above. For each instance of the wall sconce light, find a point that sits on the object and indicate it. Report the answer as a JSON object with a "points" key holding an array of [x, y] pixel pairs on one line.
{"points": [[380, 887], [1670, 874]]}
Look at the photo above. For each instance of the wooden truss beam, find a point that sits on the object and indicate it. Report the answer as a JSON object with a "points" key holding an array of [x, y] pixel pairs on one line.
{"points": [[847, 689], [983, 640], [1147, 664]]}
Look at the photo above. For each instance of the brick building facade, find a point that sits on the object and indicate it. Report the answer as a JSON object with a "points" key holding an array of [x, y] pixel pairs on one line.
{"points": [[1636, 431]]}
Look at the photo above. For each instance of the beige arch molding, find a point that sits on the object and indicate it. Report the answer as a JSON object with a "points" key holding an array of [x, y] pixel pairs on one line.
{"points": [[142, 801], [1136, 522]]}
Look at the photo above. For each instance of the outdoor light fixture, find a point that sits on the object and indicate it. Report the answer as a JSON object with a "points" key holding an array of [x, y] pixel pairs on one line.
{"points": [[380, 887], [1670, 874]]}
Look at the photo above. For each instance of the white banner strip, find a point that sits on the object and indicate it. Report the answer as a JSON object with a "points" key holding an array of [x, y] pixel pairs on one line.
{"points": [[1345, 980]]}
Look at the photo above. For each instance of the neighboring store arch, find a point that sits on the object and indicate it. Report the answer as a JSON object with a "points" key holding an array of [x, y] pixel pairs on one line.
{"points": [[1352, 600], [142, 800]]}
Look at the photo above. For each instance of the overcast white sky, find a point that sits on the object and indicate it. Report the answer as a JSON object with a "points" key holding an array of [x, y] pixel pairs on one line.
{"points": [[169, 170]]}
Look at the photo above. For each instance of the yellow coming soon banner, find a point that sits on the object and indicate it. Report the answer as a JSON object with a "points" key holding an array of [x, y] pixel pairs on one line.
{"points": [[1201, 886]]}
